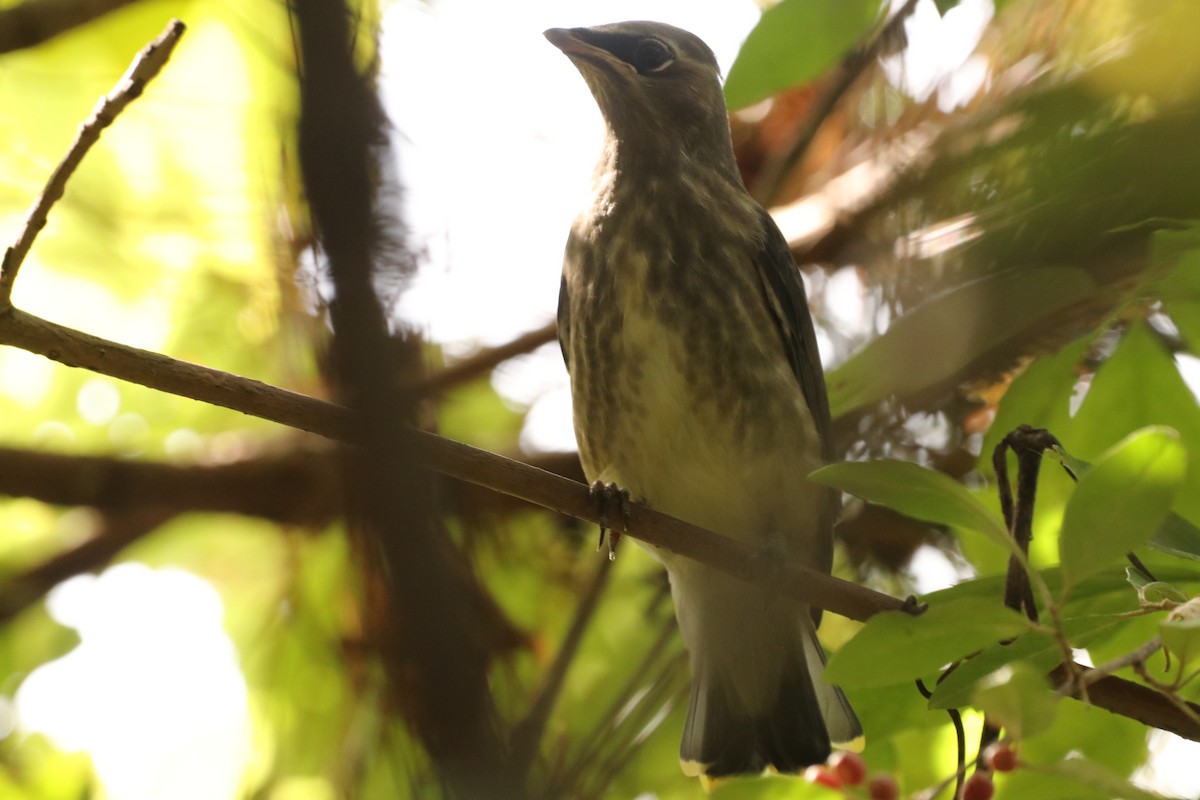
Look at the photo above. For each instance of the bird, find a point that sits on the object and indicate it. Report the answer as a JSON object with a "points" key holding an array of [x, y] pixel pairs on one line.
{"points": [[697, 388]]}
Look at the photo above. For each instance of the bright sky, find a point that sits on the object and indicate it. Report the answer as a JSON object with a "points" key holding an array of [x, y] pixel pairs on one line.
{"points": [[498, 137], [153, 692]]}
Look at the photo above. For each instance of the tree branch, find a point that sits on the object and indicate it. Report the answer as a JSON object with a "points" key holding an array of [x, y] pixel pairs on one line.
{"points": [[144, 68], [527, 734], [299, 487], [484, 361], [119, 530], [455, 459], [1133, 700]]}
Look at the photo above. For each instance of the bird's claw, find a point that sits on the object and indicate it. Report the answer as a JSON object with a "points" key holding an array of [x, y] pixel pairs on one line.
{"points": [[606, 496]]}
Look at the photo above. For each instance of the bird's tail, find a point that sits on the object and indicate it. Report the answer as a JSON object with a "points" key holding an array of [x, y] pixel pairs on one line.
{"points": [[792, 731]]}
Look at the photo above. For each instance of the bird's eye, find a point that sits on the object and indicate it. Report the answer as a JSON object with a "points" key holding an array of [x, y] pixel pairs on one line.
{"points": [[652, 55]]}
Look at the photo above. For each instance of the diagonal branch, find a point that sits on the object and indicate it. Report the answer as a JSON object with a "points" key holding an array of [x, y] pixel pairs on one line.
{"points": [[484, 361], [458, 460], [299, 487], [118, 531], [144, 68]]}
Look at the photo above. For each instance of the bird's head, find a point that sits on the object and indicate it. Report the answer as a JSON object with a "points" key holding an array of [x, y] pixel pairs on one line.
{"points": [[658, 87]]}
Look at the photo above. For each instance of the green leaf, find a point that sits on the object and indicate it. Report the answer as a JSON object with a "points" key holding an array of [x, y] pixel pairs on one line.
{"points": [[1094, 776], [1018, 698], [1181, 632], [895, 647], [1178, 537], [1139, 385], [1175, 536], [916, 492], [1153, 591], [1121, 501], [935, 342], [794, 42]]}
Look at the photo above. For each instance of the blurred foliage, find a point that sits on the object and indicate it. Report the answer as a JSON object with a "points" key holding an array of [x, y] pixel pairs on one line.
{"points": [[1030, 257]]}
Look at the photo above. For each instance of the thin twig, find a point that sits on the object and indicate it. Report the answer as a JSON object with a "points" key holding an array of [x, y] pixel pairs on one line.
{"points": [[1090, 676], [960, 736], [651, 704], [148, 63], [483, 361], [1028, 444]]}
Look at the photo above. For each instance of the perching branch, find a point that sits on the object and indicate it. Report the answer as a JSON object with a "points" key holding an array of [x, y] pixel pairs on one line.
{"points": [[455, 459]]}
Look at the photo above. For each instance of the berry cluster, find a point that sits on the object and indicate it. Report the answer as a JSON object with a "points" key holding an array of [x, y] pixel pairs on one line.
{"points": [[847, 772]]}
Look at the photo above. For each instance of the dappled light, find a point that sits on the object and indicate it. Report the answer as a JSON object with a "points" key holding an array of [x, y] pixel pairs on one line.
{"points": [[247, 551]]}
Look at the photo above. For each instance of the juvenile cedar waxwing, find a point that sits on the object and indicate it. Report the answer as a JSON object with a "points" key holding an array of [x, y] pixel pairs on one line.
{"points": [[698, 388]]}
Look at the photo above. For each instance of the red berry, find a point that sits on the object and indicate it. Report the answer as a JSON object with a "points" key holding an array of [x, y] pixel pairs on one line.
{"points": [[822, 775], [850, 767], [1000, 757], [979, 787], [883, 787]]}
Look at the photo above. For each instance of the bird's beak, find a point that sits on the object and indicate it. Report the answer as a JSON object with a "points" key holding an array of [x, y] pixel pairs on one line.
{"points": [[566, 40], [571, 42]]}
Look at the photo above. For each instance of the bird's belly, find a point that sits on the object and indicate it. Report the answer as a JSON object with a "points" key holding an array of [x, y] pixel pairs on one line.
{"points": [[705, 451]]}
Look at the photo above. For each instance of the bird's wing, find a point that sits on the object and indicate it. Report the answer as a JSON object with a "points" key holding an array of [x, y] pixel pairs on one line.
{"points": [[788, 304], [564, 320]]}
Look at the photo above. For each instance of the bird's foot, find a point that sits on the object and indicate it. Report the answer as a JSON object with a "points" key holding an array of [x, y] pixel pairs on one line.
{"points": [[609, 497]]}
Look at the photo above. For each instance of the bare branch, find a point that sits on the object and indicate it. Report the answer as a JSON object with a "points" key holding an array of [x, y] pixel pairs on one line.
{"points": [[119, 530], [299, 487], [451, 458], [144, 68], [484, 361], [1135, 701], [166, 374]]}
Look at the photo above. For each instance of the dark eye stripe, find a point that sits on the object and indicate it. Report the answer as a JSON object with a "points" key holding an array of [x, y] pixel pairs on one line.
{"points": [[645, 54]]}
